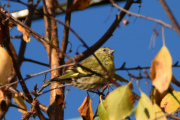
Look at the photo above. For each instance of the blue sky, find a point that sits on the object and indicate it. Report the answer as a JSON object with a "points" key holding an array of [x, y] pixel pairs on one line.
{"points": [[131, 43]]}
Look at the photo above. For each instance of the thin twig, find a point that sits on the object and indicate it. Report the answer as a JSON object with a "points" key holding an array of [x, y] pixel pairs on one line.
{"points": [[15, 37], [163, 36], [141, 16], [140, 68], [34, 61], [71, 64], [54, 89], [171, 16], [23, 43], [65, 34], [168, 115], [13, 105]]}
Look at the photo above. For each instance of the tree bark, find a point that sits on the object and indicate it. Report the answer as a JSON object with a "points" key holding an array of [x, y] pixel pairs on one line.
{"points": [[55, 110]]}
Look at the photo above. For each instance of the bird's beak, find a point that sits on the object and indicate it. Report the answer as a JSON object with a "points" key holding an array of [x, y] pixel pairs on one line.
{"points": [[111, 52]]}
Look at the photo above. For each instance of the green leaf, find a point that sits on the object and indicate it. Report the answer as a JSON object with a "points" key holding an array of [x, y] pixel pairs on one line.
{"points": [[79, 118], [96, 118], [118, 104], [121, 79], [144, 109], [102, 111]]}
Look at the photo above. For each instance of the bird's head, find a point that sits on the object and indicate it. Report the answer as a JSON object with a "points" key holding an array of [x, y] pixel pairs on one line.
{"points": [[104, 53]]}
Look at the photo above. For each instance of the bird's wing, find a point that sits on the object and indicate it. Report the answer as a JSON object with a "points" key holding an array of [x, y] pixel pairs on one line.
{"points": [[70, 73], [75, 72], [92, 64]]}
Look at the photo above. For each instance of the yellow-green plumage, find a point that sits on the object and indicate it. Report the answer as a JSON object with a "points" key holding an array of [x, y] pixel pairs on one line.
{"points": [[86, 80]]}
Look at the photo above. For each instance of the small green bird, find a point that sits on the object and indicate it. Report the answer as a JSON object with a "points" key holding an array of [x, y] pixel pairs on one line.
{"points": [[86, 80]]}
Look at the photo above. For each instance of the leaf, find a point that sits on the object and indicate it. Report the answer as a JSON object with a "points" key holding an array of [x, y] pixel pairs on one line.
{"points": [[17, 99], [144, 109], [26, 36], [159, 114], [102, 111], [156, 96], [161, 70], [121, 79], [96, 118], [79, 118], [2, 97], [85, 109], [169, 103], [118, 104], [6, 66], [79, 5]]}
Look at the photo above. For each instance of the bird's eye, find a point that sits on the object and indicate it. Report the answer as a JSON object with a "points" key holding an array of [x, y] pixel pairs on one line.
{"points": [[104, 50]]}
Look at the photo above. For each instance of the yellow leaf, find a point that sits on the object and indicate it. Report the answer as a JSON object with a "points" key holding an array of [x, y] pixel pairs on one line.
{"points": [[6, 66], [79, 5], [20, 102], [169, 103], [159, 114], [85, 109], [26, 36], [161, 70]]}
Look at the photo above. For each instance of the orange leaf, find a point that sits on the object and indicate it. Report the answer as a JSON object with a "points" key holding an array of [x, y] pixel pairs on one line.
{"points": [[85, 109], [161, 70], [26, 36], [79, 5]]}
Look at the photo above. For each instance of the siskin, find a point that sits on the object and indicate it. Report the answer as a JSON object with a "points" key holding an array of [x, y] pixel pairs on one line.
{"points": [[86, 80]]}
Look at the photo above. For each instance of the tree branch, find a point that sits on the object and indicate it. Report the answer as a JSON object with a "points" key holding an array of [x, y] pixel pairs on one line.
{"points": [[23, 43], [105, 37], [55, 110], [171, 17], [65, 34], [141, 16]]}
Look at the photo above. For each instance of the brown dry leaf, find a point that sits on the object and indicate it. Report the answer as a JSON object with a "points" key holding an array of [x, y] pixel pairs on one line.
{"points": [[85, 109], [6, 66], [26, 36], [79, 5], [161, 70]]}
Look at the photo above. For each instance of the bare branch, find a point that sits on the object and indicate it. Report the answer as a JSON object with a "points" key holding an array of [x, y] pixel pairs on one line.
{"points": [[23, 96], [65, 34], [23, 43], [170, 15], [141, 16], [37, 62], [105, 37]]}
